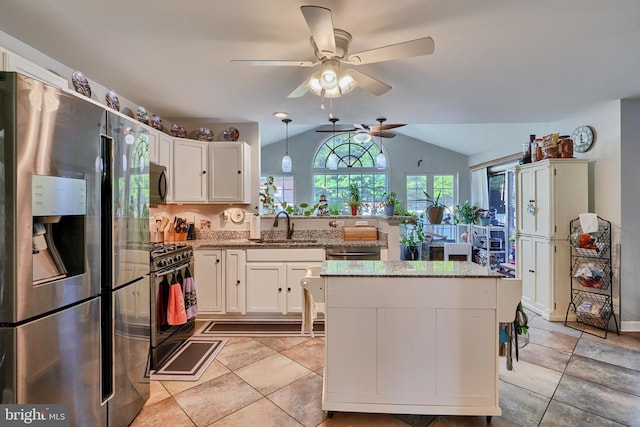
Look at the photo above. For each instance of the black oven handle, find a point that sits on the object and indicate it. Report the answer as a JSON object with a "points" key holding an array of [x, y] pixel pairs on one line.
{"points": [[174, 269]]}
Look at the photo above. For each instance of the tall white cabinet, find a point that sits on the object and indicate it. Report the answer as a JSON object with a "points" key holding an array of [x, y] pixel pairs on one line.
{"points": [[550, 193]]}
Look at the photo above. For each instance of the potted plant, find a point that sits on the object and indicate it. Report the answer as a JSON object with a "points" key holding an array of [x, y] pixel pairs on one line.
{"points": [[465, 213], [435, 208], [268, 191], [411, 242], [390, 202], [354, 198]]}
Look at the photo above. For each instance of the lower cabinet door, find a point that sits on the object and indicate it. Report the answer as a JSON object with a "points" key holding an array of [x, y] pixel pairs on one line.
{"points": [[266, 287], [208, 278]]}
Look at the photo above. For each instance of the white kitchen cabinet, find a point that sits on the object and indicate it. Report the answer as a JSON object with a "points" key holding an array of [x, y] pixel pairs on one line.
{"points": [[266, 287], [134, 264], [545, 272], [229, 172], [235, 281], [550, 193], [209, 266], [189, 171], [273, 278], [411, 345], [9, 61]]}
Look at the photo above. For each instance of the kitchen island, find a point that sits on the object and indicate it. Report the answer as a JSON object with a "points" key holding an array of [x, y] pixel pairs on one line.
{"points": [[413, 337]]}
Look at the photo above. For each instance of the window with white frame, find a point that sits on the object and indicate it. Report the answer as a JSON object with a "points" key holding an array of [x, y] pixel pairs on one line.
{"points": [[340, 162], [438, 186], [284, 189]]}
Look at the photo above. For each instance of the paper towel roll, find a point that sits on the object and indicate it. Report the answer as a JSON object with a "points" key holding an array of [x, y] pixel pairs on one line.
{"points": [[254, 227]]}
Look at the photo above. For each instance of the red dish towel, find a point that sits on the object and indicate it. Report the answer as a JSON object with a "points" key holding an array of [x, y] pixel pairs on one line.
{"points": [[176, 314]]}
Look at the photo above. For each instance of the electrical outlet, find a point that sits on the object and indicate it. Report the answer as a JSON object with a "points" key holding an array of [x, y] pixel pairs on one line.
{"points": [[340, 223]]}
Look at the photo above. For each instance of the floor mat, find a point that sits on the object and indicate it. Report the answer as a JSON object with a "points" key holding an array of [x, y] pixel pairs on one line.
{"points": [[190, 360], [261, 328]]}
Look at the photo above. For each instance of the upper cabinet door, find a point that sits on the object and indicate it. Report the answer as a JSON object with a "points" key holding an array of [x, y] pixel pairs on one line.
{"points": [[229, 178], [550, 194], [189, 171]]}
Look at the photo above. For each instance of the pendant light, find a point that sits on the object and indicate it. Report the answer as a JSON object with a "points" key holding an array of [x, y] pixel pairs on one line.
{"points": [[286, 160], [381, 159], [332, 160]]}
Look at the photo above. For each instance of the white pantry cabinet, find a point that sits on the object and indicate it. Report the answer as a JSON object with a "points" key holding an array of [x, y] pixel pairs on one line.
{"points": [[550, 193], [209, 267]]}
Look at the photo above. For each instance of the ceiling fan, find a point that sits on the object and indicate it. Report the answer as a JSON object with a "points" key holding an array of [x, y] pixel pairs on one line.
{"points": [[331, 48], [378, 130]]}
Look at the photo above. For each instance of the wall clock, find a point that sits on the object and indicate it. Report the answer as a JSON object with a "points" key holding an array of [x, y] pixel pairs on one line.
{"points": [[583, 137]]}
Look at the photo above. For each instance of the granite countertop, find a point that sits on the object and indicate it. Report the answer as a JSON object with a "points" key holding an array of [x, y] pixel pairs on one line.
{"points": [[245, 243], [405, 269]]}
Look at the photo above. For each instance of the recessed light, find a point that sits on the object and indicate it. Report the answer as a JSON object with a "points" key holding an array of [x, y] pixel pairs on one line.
{"points": [[280, 114]]}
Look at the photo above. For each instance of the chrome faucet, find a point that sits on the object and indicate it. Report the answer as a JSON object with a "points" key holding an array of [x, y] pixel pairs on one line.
{"points": [[289, 225]]}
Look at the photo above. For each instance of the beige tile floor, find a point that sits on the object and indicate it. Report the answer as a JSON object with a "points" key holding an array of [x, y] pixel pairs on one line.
{"points": [[564, 377]]}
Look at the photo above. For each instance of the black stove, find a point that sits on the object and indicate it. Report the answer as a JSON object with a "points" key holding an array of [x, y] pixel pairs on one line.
{"points": [[169, 255]]}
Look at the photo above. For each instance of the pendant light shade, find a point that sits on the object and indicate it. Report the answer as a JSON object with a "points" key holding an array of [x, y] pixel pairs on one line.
{"points": [[381, 159], [286, 160], [332, 162]]}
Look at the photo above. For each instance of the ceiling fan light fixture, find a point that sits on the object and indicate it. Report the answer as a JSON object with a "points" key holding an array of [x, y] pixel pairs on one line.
{"points": [[361, 137], [346, 83], [329, 74]]}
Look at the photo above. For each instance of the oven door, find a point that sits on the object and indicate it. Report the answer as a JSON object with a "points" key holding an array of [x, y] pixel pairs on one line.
{"points": [[166, 338]]}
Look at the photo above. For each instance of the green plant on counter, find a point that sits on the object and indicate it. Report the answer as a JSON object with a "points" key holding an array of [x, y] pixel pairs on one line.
{"points": [[335, 208], [268, 192], [391, 199], [354, 196]]}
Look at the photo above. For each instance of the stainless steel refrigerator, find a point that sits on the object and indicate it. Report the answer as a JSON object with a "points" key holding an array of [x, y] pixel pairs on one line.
{"points": [[67, 334], [125, 264]]}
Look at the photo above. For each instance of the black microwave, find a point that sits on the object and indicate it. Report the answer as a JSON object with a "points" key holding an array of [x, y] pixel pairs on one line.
{"points": [[157, 184]]}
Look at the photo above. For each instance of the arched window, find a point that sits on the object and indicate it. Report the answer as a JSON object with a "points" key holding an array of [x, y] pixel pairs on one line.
{"points": [[353, 163]]}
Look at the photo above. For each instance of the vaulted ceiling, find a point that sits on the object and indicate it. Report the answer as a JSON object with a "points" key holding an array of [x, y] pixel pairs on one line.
{"points": [[495, 61]]}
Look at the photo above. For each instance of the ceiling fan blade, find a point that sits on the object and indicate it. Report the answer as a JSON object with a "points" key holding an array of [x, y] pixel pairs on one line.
{"points": [[368, 83], [277, 63], [337, 130], [300, 90], [418, 47], [385, 127], [382, 134], [320, 23]]}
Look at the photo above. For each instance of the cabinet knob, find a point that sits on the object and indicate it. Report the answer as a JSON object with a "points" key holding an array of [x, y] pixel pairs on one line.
{"points": [[288, 289], [532, 201], [279, 289], [532, 271], [239, 172], [237, 282], [217, 261], [204, 172]]}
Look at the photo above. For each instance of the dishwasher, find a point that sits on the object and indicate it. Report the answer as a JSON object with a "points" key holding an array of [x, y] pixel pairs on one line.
{"points": [[353, 253]]}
